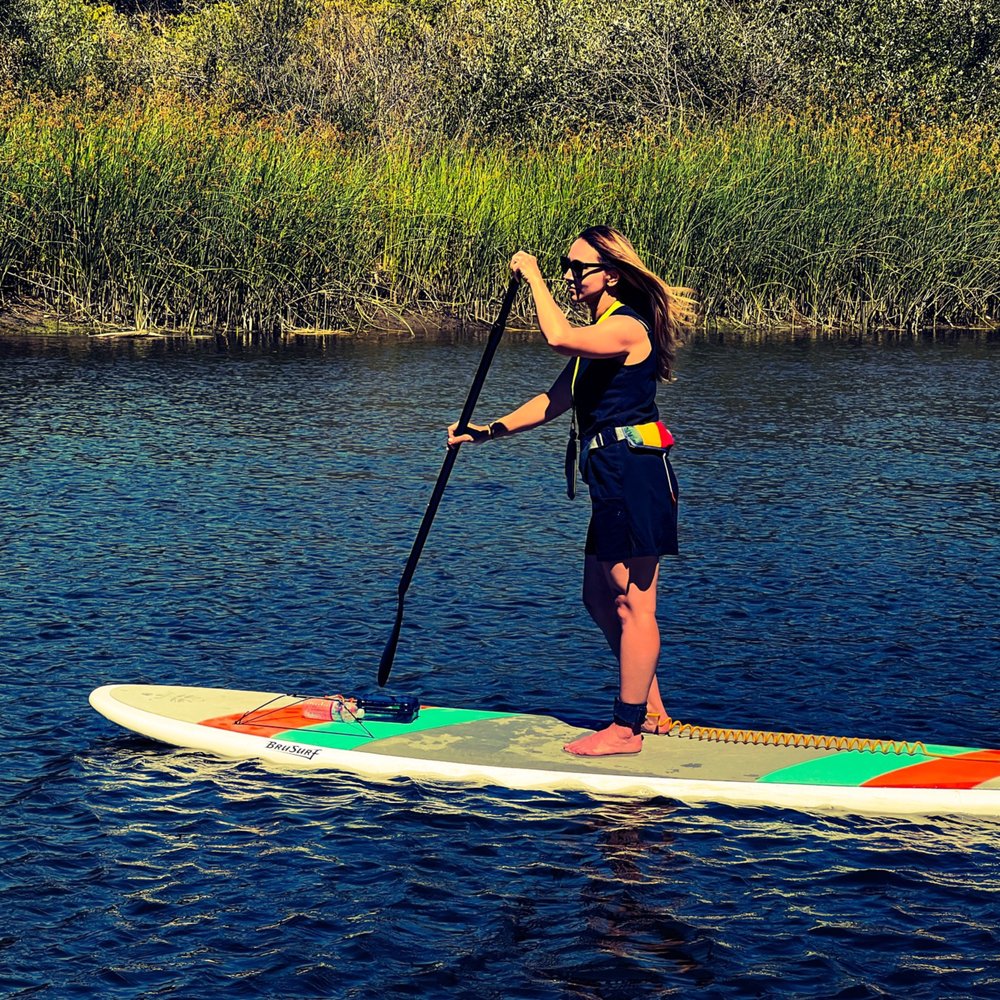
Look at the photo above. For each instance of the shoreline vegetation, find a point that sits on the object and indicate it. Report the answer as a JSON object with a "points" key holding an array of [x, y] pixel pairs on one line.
{"points": [[159, 173]]}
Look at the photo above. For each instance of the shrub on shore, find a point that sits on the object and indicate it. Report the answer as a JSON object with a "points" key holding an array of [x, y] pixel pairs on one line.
{"points": [[525, 70]]}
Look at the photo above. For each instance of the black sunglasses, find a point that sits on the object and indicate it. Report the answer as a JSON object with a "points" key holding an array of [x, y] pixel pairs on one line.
{"points": [[580, 268]]}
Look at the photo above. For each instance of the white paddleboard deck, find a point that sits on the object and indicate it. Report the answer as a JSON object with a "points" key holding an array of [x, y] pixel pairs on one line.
{"points": [[522, 751]]}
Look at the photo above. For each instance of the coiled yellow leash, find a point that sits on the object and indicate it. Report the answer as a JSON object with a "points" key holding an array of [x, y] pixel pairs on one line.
{"points": [[761, 737]]}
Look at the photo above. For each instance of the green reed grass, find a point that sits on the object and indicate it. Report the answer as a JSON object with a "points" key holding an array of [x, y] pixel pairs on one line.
{"points": [[169, 215]]}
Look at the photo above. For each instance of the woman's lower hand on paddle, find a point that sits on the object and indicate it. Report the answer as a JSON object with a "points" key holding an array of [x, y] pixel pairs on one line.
{"points": [[473, 435]]}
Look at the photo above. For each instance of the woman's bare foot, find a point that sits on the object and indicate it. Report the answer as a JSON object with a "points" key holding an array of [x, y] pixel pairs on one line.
{"points": [[605, 742]]}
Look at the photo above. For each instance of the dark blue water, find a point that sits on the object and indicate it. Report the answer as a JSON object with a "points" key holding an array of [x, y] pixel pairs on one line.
{"points": [[188, 517]]}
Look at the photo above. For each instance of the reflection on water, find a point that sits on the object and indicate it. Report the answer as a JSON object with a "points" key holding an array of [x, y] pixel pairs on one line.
{"points": [[186, 516]]}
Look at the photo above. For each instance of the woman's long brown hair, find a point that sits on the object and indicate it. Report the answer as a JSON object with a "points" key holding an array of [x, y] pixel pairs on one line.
{"points": [[670, 310]]}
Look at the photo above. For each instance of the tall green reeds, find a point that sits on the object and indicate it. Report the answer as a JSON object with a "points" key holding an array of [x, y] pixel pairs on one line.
{"points": [[166, 214]]}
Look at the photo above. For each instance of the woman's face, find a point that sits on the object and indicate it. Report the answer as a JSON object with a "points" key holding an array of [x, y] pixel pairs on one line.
{"points": [[583, 272]]}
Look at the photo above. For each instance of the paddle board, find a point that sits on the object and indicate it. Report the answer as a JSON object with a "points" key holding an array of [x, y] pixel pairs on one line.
{"points": [[520, 751]]}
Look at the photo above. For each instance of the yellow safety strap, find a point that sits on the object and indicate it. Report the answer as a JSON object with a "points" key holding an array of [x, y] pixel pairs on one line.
{"points": [[576, 368]]}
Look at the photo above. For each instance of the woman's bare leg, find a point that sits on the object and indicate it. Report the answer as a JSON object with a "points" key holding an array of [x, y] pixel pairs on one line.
{"points": [[634, 586], [600, 599], [631, 589]]}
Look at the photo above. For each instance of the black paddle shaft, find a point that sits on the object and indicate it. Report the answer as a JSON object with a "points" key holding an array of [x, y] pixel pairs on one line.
{"points": [[389, 653]]}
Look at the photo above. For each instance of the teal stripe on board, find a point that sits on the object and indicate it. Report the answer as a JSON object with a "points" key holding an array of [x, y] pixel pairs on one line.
{"points": [[349, 735], [854, 767]]}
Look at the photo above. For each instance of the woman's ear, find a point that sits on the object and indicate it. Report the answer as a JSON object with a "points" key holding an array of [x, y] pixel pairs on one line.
{"points": [[612, 277]]}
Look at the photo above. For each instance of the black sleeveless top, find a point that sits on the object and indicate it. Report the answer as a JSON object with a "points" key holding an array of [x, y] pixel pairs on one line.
{"points": [[610, 393]]}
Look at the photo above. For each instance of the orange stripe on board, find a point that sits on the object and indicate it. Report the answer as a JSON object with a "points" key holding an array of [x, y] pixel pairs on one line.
{"points": [[264, 721], [964, 770]]}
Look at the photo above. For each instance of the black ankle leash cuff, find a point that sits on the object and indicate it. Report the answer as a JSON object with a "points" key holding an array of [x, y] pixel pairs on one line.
{"points": [[632, 716]]}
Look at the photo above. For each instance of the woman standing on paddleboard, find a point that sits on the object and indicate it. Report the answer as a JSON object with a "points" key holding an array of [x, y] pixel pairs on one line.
{"points": [[610, 384]]}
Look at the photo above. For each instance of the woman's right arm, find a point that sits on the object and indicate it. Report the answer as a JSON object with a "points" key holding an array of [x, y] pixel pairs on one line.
{"points": [[539, 410]]}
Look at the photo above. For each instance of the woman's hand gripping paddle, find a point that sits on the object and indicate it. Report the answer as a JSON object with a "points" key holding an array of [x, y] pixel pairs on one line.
{"points": [[496, 333]]}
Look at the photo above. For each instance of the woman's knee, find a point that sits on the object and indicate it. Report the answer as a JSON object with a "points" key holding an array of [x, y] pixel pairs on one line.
{"points": [[634, 589], [624, 609], [634, 607]]}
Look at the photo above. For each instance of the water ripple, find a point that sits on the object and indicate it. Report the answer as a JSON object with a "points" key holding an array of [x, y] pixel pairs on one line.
{"points": [[181, 516]]}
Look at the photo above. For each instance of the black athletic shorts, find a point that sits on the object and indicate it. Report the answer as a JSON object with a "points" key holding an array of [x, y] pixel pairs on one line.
{"points": [[633, 494]]}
